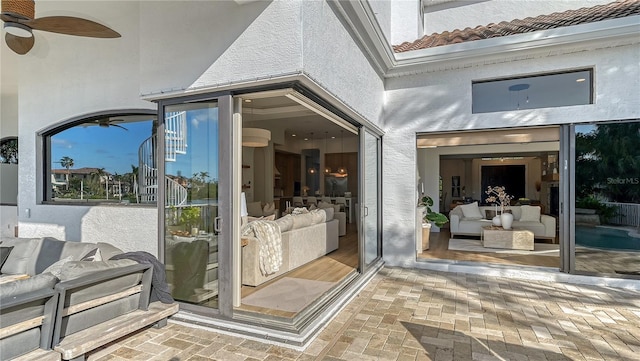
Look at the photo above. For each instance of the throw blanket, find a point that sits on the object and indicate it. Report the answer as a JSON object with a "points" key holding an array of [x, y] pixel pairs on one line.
{"points": [[269, 244], [159, 287]]}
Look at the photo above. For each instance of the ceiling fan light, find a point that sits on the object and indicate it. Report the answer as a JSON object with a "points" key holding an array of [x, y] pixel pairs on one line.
{"points": [[18, 30]]}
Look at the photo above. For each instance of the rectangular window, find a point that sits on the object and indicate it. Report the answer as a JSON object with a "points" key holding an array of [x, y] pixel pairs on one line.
{"points": [[541, 91]]}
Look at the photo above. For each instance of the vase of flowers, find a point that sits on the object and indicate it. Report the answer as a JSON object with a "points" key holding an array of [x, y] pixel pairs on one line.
{"points": [[500, 198]]}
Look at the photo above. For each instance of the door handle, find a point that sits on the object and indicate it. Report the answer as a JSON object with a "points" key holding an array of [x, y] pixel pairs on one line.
{"points": [[366, 211], [217, 222]]}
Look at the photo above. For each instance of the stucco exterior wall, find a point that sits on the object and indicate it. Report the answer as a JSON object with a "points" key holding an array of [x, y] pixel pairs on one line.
{"points": [[334, 60], [442, 102], [221, 42], [65, 77]]}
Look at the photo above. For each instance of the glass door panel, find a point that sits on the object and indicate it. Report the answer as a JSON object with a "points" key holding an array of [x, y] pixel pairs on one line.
{"points": [[607, 198], [191, 148], [371, 211]]}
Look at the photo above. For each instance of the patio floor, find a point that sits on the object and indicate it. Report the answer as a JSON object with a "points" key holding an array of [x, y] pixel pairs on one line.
{"points": [[407, 314]]}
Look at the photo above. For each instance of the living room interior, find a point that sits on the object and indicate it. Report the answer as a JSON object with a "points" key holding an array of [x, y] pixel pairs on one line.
{"points": [[524, 162], [297, 155]]}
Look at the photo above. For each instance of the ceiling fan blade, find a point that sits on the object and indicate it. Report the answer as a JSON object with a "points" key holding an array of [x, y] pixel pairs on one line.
{"points": [[119, 126], [71, 26], [19, 44]]}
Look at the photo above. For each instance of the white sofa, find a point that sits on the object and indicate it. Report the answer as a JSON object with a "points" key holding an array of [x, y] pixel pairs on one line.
{"points": [[305, 237], [470, 224]]}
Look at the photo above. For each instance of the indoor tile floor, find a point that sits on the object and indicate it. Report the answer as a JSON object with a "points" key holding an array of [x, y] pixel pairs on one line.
{"points": [[407, 314]]}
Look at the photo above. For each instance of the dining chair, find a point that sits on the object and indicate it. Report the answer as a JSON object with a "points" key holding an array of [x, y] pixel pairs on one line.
{"points": [[297, 202], [312, 200], [342, 201]]}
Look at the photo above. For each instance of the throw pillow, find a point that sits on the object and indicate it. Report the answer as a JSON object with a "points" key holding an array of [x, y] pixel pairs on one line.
{"points": [[56, 268], [471, 211], [4, 254], [254, 209], [269, 209], [530, 213], [93, 255]]}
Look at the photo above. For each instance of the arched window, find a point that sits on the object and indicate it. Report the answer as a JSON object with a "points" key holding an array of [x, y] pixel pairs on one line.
{"points": [[98, 158]]}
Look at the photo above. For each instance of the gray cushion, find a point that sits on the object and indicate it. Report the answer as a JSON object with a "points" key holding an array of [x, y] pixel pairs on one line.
{"points": [[52, 250], [23, 250], [11, 289], [75, 269], [107, 250]]}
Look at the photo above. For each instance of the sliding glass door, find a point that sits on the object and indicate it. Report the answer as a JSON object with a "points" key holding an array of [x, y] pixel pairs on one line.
{"points": [[371, 183], [606, 206], [191, 188]]}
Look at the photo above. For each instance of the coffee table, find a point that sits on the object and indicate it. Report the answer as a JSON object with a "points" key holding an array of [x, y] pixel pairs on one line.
{"points": [[498, 237]]}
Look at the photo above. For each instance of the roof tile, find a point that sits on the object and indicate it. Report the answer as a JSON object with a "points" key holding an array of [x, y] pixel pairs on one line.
{"points": [[614, 10]]}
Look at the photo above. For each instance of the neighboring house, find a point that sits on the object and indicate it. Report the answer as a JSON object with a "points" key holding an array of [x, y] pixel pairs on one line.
{"points": [[377, 94]]}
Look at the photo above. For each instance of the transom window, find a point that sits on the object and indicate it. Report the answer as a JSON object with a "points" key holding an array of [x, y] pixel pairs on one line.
{"points": [[541, 91]]}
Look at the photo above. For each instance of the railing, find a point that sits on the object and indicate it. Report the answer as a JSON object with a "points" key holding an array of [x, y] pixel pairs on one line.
{"points": [[175, 130], [627, 214], [176, 194]]}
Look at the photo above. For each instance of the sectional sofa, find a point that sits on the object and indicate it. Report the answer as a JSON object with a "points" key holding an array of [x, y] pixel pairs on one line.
{"points": [[468, 219], [305, 237], [71, 297]]}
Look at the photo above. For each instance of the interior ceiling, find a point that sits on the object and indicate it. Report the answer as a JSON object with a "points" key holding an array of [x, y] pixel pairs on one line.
{"points": [[281, 112]]}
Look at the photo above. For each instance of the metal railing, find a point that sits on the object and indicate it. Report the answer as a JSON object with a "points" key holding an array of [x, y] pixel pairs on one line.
{"points": [[627, 214]]}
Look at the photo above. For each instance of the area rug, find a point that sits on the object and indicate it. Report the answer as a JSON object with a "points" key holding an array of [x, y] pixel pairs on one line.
{"points": [[288, 294], [474, 245]]}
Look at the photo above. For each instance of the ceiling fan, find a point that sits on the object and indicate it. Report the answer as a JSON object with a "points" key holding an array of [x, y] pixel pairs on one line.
{"points": [[108, 122], [19, 22]]}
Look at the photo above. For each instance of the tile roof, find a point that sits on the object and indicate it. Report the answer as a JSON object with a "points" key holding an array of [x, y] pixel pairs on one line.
{"points": [[614, 10]]}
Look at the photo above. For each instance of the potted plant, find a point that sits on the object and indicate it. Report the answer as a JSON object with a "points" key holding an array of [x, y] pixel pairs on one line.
{"points": [[190, 218], [429, 216]]}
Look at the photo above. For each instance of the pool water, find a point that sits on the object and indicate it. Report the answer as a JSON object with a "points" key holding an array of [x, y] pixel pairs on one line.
{"points": [[606, 238]]}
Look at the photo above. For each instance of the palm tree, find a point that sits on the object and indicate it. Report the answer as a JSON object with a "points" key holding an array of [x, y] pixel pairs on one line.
{"points": [[67, 162]]}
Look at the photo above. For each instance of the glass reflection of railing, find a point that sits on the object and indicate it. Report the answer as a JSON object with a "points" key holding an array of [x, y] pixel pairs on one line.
{"points": [[627, 214]]}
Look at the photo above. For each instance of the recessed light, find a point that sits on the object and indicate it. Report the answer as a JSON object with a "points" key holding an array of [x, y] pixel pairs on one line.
{"points": [[248, 100], [580, 80], [306, 138], [333, 137], [293, 135]]}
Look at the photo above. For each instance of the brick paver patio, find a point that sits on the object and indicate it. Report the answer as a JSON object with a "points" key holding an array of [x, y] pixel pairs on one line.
{"points": [[425, 315]]}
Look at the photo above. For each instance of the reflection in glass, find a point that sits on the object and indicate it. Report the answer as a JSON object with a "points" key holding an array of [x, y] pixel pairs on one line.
{"points": [[98, 160], [607, 205], [191, 202]]}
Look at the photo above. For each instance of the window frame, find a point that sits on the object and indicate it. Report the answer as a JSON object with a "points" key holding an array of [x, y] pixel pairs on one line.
{"points": [[44, 192], [590, 71]]}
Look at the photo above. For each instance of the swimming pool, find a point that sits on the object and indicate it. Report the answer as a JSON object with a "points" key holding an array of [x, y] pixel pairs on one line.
{"points": [[606, 238]]}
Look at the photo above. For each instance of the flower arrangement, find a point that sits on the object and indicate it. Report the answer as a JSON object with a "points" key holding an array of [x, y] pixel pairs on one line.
{"points": [[498, 196]]}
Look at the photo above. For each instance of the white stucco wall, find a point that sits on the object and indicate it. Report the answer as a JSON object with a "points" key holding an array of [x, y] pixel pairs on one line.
{"points": [[448, 16], [64, 77], [221, 42], [334, 60], [442, 102]]}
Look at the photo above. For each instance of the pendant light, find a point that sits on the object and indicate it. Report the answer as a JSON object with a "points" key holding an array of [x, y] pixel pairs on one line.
{"points": [[342, 169], [312, 169], [327, 169]]}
